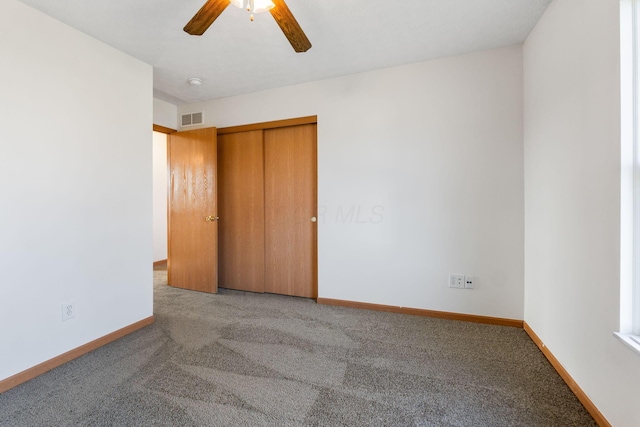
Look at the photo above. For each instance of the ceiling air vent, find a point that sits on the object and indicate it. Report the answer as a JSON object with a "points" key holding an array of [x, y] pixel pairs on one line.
{"points": [[192, 119]]}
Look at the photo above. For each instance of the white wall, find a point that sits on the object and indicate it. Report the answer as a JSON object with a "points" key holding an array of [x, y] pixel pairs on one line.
{"points": [[75, 174], [159, 196], [428, 159], [165, 114], [572, 199]]}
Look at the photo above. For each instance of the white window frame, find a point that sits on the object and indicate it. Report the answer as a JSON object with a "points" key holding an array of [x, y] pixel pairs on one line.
{"points": [[630, 174]]}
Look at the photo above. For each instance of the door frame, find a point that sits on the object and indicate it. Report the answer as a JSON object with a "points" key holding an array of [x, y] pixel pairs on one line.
{"points": [[162, 129], [307, 120]]}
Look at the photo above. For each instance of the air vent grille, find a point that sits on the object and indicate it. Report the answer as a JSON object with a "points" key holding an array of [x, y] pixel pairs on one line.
{"points": [[191, 119]]}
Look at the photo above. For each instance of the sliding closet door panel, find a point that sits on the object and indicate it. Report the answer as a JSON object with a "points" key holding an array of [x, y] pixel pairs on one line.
{"points": [[241, 207], [290, 207]]}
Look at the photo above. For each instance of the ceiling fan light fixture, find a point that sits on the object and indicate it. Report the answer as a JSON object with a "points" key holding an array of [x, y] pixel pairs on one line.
{"points": [[262, 6], [254, 6], [278, 9]]}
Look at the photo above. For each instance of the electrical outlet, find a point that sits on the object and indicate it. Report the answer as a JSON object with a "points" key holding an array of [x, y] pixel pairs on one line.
{"points": [[68, 310], [468, 282], [456, 281]]}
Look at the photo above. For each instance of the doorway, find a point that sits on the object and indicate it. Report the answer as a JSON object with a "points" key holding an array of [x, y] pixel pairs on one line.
{"points": [[159, 168]]}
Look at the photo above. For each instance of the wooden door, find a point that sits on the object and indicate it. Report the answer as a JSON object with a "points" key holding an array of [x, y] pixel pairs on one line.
{"points": [[241, 201], [290, 210], [193, 228]]}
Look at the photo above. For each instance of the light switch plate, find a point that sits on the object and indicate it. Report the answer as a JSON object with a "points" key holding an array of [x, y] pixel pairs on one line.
{"points": [[456, 281]]}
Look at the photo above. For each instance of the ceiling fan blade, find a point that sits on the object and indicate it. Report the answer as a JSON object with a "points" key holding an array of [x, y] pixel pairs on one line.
{"points": [[205, 16], [290, 26]]}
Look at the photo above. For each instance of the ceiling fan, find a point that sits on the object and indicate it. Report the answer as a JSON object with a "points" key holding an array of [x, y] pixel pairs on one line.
{"points": [[278, 9]]}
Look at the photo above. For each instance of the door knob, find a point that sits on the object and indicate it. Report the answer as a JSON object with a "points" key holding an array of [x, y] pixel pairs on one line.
{"points": [[211, 218], [314, 219]]}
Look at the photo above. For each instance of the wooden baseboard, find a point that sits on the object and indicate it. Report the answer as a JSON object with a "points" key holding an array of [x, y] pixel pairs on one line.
{"points": [[575, 388], [48, 365], [421, 312], [161, 263]]}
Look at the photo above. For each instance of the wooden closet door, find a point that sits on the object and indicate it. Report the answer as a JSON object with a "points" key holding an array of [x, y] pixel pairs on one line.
{"points": [[290, 205], [241, 202]]}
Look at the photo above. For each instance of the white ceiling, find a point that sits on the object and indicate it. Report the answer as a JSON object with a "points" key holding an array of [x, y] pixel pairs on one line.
{"points": [[238, 56]]}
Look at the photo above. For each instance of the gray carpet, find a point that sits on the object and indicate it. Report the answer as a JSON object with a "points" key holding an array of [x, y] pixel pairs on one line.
{"points": [[241, 359]]}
